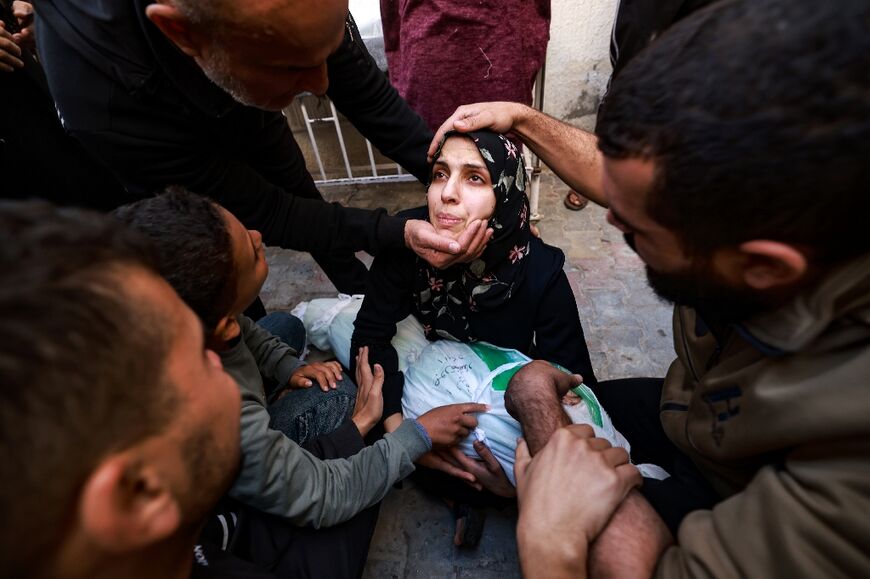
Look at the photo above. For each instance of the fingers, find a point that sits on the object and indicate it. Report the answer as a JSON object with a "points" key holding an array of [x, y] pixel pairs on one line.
{"points": [[324, 379], [421, 238], [9, 51], [468, 464], [459, 458], [476, 243], [23, 12], [522, 458], [579, 430], [629, 476], [453, 455], [441, 251], [470, 407], [472, 241], [475, 485], [470, 235], [437, 462], [319, 372], [476, 250], [448, 125], [468, 421], [565, 382], [378, 382], [615, 456], [299, 381], [335, 368], [363, 370], [598, 444], [483, 451]]}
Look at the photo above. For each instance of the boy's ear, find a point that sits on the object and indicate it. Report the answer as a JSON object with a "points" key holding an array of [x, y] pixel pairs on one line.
{"points": [[227, 329], [176, 27], [127, 504], [771, 264]]}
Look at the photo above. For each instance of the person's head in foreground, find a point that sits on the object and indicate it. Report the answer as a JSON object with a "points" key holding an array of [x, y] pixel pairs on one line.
{"points": [[214, 263], [118, 429], [478, 175], [262, 52], [737, 152]]}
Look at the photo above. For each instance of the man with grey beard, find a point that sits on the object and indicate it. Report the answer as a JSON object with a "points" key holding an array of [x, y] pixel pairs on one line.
{"points": [[190, 93]]}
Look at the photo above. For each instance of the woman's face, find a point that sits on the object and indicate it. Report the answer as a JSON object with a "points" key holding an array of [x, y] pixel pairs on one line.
{"points": [[461, 189]]}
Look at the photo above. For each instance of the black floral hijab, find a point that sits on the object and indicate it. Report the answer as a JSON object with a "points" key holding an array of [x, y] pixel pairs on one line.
{"points": [[443, 297]]}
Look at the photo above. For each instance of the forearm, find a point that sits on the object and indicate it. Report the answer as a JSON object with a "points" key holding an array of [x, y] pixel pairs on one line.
{"points": [[631, 543], [281, 478], [534, 400], [629, 546], [570, 152], [543, 556]]}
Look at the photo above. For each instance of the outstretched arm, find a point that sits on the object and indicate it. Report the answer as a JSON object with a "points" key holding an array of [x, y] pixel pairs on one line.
{"points": [[570, 152], [534, 398], [633, 539]]}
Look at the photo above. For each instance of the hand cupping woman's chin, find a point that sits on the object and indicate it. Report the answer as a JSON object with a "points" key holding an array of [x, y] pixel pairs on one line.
{"points": [[452, 232]]}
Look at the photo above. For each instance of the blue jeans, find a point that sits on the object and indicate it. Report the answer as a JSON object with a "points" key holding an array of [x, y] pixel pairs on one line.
{"points": [[305, 414], [286, 326]]}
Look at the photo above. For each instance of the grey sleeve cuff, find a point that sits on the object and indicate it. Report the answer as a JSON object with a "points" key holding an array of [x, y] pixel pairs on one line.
{"points": [[285, 368], [413, 438]]}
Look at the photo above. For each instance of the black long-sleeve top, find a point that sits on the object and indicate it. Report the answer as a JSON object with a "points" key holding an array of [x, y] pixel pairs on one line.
{"points": [[540, 320], [148, 111]]}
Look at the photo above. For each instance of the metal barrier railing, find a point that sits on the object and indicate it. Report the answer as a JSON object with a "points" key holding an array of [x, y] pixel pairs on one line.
{"points": [[374, 175]]}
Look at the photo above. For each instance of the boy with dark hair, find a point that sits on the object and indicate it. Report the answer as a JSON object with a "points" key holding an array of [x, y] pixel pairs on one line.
{"points": [[114, 443], [197, 239]]}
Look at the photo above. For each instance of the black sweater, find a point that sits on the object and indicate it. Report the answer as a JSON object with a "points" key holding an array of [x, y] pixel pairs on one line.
{"points": [[148, 111]]}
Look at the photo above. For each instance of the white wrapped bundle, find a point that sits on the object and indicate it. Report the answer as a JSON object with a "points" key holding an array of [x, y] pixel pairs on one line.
{"points": [[446, 372]]}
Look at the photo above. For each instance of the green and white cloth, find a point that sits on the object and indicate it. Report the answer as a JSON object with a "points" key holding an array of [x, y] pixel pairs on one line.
{"points": [[448, 372]]}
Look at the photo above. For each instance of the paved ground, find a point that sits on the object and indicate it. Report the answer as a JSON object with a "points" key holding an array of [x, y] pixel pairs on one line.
{"points": [[627, 329]]}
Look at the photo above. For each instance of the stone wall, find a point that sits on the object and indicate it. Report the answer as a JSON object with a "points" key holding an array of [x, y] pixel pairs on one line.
{"points": [[578, 59]]}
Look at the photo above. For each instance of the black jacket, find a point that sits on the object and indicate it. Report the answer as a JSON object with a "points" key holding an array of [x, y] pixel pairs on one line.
{"points": [[540, 319], [147, 110], [37, 158]]}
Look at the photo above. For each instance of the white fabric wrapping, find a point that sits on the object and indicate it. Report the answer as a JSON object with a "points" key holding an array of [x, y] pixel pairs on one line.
{"points": [[446, 372]]}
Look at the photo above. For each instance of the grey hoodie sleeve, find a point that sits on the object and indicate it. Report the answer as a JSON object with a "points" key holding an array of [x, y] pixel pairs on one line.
{"points": [[281, 478], [275, 359]]}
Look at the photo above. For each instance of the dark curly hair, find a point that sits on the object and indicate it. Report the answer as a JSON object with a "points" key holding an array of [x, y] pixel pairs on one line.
{"points": [[194, 249], [757, 117], [82, 367]]}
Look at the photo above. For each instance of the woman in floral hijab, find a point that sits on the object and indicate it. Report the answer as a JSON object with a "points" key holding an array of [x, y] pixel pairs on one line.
{"points": [[515, 295], [442, 297]]}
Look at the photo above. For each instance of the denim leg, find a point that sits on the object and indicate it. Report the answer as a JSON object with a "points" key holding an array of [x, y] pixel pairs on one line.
{"points": [[287, 327], [305, 414]]}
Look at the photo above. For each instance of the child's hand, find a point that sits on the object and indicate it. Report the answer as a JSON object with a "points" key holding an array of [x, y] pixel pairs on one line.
{"points": [[450, 424], [369, 394], [327, 375]]}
